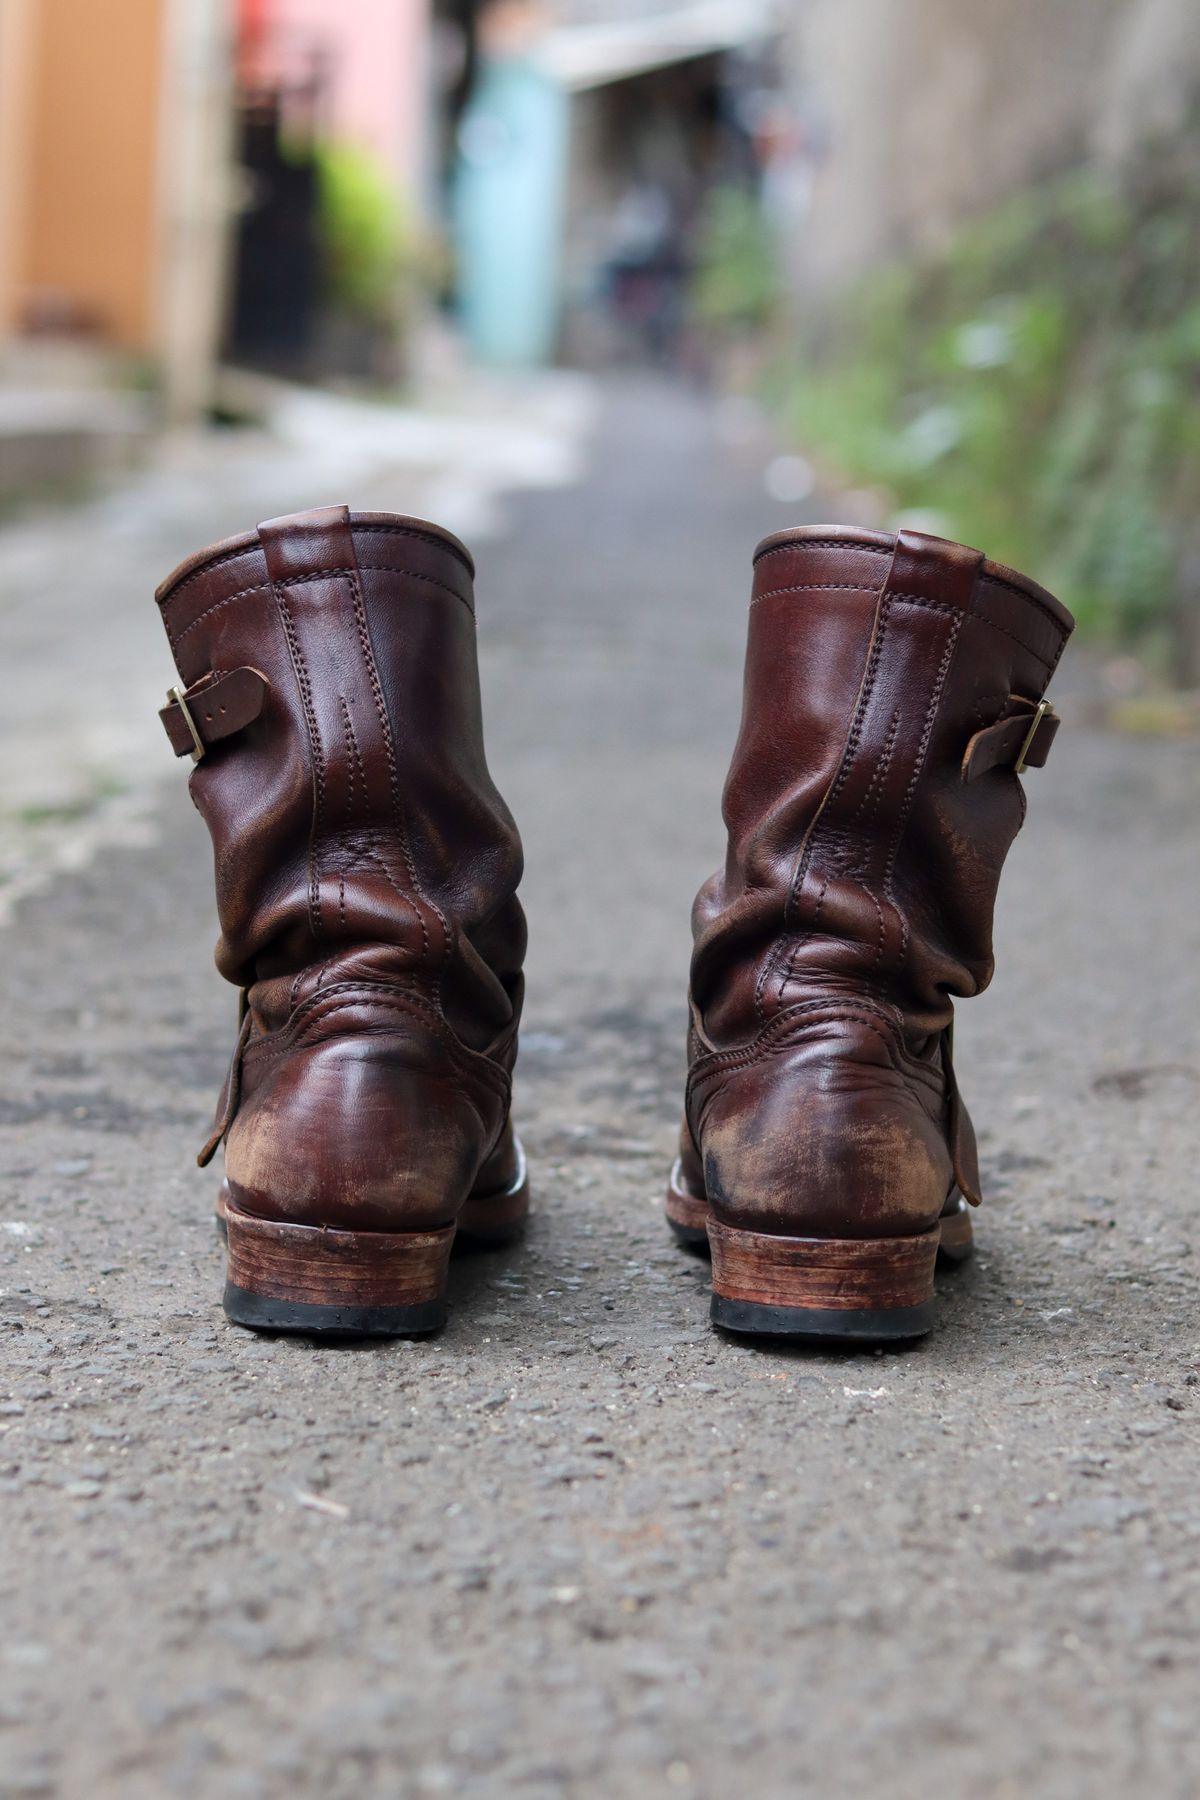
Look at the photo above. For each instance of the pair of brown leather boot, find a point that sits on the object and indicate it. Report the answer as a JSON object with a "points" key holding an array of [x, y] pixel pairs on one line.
{"points": [[367, 871]]}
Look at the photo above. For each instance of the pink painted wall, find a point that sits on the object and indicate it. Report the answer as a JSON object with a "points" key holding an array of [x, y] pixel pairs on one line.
{"points": [[378, 58]]}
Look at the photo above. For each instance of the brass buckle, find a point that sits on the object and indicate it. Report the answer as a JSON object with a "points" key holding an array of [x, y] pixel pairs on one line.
{"points": [[180, 698], [1043, 709]]}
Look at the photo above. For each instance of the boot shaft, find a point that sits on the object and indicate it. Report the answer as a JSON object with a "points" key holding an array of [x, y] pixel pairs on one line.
{"points": [[330, 673], [890, 686]]}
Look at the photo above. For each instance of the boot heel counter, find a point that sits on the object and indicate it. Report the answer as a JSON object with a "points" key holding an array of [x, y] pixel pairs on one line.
{"points": [[826, 1138], [379, 1124]]}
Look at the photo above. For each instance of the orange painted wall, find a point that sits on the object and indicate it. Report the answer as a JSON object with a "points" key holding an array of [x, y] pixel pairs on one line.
{"points": [[91, 223]]}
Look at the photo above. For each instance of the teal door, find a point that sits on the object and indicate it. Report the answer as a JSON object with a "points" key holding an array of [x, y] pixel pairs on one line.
{"points": [[509, 186]]}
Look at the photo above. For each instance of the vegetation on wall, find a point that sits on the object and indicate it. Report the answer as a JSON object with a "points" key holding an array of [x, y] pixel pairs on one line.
{"points": [[376, 261], [1038, 387], [736, 281], [360, 231]]}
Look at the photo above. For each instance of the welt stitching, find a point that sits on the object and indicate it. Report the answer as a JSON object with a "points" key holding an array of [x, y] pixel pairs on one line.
{"points": [[484, 1067], [946, 606], [979, 618], [490, 1072], [842, 543], [797, 943], [350, 750], [360, 617], [800, 544], [354, 994], [500, 1087], [768, 969], [494, 1079], [825, 880], [816, 587], [879, 942], [1037, 655], [423, 537], [1030, 599], [356, 761], [918, 765], [939, 606], [302, 677], [365, 989], [998, 581], [405, 1003], [294, 580], [849, 754], [1062, 644], [377, 569], [770, 1046], [879, 774], [218, 562], [853, 740], [372, 856], [260, 587], [787, 1021]]}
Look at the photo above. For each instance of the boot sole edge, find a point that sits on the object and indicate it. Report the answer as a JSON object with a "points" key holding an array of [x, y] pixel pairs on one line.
{"points": [[863, 1325], [266, 1312]]}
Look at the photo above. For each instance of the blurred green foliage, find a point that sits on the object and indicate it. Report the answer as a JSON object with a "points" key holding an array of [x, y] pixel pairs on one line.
{"points": [[376, 259], [361, 230], [1038, 387], [736, 281]]}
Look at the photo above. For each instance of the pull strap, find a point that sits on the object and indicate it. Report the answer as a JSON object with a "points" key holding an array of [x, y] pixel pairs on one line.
{"points": [[308, 545], [934, 568], [1020, 740], [213, 708]]}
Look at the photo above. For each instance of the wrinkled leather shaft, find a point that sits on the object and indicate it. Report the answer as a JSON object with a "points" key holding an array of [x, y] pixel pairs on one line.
{"points": [[890, 685], [366, 867]]}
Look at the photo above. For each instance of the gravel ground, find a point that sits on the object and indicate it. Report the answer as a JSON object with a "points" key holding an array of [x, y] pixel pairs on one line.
{"points": [[578, 1545]]}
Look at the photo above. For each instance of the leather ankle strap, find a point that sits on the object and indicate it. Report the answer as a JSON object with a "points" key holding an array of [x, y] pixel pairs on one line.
{"points": [[1020, 740], [211, 709]]}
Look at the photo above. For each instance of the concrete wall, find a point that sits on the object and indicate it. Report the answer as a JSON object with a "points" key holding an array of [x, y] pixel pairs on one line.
{"points": [[91, 216], [16, 114], [922, 111], [115, 178], [376, 53]]}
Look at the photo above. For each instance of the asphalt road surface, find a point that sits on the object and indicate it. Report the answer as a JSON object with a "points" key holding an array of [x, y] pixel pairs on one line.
{"points": [[577, 1545]]}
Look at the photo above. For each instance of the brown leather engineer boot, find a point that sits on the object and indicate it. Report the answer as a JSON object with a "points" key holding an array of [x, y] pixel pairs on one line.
{"points": [[893, 694], [366, 885]]}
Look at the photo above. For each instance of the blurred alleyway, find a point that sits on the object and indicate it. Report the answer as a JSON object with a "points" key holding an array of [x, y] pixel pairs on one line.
{"points": [[577, 1545]]}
